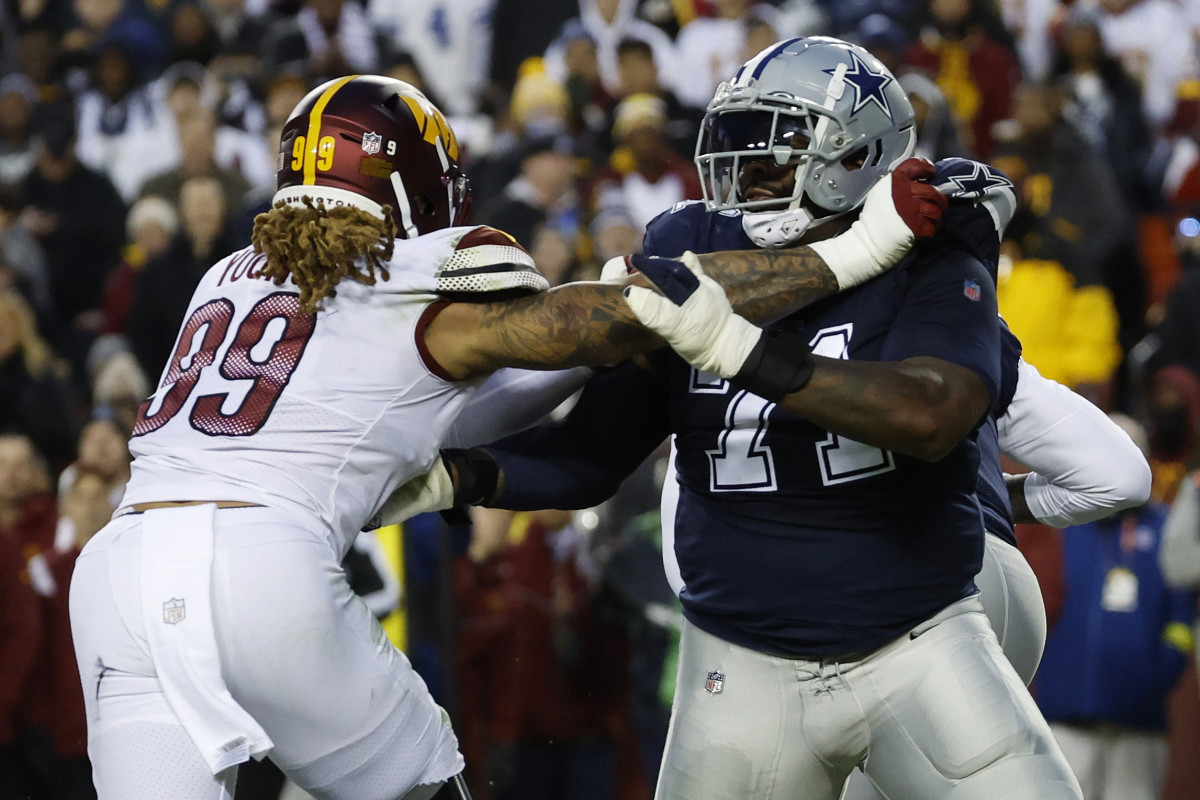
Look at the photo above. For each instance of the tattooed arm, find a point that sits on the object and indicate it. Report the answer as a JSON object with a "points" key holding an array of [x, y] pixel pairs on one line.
{"points": [[590, 324]]}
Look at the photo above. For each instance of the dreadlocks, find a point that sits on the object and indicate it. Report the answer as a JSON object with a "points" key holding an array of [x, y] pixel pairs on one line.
{"points": [[318, 246]]}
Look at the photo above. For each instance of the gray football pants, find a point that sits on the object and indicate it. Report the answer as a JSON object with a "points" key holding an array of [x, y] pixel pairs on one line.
{"points": [[938, 713], [1012, 601]]}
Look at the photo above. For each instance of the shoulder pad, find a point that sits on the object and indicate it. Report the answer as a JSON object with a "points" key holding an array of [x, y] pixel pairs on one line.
{"points": [[486, 260], [973, 182], [676, 230]]}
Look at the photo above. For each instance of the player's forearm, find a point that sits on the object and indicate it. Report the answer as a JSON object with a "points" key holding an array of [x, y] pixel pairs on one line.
{"points": [[765, 285], [589, 324], [584, 322], [921, 407]]}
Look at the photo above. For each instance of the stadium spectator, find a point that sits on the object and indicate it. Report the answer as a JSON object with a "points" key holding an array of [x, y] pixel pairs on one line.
{"points": [[24, 257], [637, 74], [607, 23], [78, 218], [28, 516], [18, 96], [1070, 228], [1115, 653], [325, 39], [164, 286], [450, 43], [192, 36], [1105, 105], [119, 387], [976, 73], [36, 398], [709, 50], [56, 736], [527, 594], [198, 130], [645, 174], [539, 107], [103, 455], [938, 129], [20, 636], [1153, 40], [520, 29], [542, 198], [126, 24], [116, 118], [150, 227]]}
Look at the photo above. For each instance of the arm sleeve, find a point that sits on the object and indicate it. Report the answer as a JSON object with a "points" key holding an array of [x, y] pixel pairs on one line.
{"points": [[1084, 466], [512, 400], [1179, 556], [580, 461]]}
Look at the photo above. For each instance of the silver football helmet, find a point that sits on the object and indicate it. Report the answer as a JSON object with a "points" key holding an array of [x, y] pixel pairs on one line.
{"points": [[824, 109]]}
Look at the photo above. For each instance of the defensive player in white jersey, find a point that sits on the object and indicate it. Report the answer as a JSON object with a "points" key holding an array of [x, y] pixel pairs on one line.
{"points": [[315, 372]]}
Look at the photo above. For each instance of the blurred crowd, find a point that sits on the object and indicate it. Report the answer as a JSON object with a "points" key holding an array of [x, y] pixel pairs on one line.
{"points": [[138, 139]]}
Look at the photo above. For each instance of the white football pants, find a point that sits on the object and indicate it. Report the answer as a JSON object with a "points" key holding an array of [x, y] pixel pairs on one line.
{"points": [[297, 650], [938, 714], [1012, 601]]}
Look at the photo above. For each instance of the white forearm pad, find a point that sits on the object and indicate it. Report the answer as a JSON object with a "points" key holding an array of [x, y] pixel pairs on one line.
{"points": [[876, 241]]}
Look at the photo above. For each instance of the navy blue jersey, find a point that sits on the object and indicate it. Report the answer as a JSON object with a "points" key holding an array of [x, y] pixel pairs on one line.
{"points": [[993, 493], [791, 539]]}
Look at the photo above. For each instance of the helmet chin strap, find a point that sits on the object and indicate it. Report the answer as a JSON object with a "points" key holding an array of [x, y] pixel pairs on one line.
{"points": [[775, 229]]}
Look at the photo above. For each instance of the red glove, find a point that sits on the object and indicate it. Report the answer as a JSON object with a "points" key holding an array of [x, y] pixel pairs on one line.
{"points": [[920, 205]]}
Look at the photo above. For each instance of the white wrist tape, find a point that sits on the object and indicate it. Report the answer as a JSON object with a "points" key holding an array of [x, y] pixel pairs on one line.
{"points": [[874, 243], [704, 330]]}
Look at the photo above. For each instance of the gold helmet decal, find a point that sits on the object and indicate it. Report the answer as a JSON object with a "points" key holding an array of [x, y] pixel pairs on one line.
{"points": [[431, 122]]}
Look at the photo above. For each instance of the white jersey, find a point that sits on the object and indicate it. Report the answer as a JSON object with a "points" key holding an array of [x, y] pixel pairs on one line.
{"points": [[318, 415]]}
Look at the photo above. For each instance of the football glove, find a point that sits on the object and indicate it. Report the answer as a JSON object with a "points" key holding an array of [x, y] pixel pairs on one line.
{"points": [[899, 209], [695, 317], [433, 491]]}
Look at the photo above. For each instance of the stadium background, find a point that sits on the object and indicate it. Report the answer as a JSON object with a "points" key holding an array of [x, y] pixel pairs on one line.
{"points": [[138, 140]]}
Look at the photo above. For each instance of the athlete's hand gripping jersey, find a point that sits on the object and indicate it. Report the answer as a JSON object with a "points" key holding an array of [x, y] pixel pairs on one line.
{"points": [[319, 415]]}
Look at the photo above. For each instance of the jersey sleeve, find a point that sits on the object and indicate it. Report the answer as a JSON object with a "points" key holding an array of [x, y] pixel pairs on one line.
{"points": [[486, 261], [579, 462], [949, 312], [1085, 467], [675, 230]]}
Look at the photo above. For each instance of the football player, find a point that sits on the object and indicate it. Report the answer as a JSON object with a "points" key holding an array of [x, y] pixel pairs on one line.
{"points": [[315, 371], [827, 530]]}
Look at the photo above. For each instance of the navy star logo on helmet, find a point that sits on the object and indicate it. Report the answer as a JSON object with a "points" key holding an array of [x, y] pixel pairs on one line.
{"points": [[868, 85]]}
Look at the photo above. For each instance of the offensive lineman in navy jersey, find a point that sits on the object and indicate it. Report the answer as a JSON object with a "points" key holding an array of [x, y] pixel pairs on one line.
{"points": [[827, 527]]}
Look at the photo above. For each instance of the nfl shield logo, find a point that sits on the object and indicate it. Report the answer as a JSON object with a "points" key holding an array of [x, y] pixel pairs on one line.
{"points": [[371, 142], [971, 290], [714, 682], [174, 611]]}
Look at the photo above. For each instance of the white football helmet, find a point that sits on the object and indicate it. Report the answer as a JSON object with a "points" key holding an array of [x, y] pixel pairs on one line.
{"points": [[825, 106]]}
